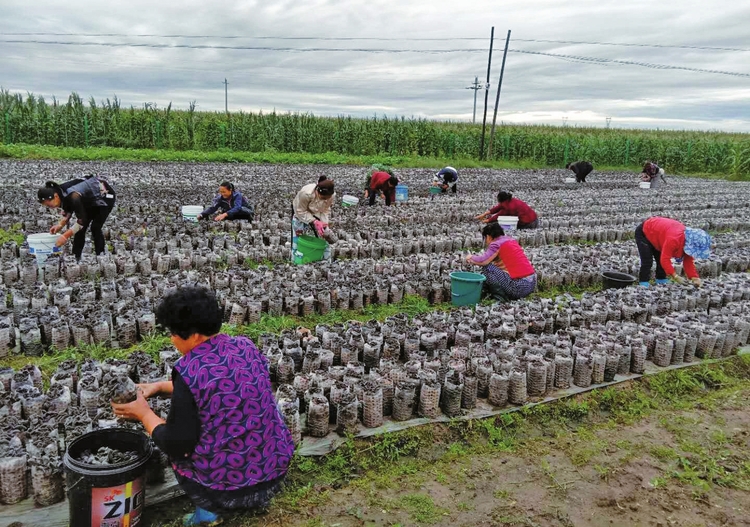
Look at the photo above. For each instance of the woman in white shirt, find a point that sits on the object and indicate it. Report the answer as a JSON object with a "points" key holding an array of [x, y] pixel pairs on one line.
{"points": [[312, 212]]}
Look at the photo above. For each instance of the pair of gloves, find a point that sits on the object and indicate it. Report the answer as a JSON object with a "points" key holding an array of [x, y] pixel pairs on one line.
{"points": [[319, 227], [680, 280]]}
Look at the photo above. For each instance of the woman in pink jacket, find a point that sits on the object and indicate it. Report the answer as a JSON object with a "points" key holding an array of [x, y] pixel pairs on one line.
{"points": [[509, 273]]}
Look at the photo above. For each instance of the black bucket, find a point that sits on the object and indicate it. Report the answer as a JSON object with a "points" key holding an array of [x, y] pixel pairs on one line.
{"points": [[615, 280], [107, 495]]}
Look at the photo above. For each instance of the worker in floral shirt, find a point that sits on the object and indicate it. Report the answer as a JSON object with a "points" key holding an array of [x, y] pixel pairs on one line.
{"points": [[229, 446]]}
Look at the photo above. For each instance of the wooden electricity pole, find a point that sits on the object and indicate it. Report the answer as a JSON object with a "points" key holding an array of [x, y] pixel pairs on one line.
{"points": [[476, 86], [486, 95], [497, 98], [226, 96]]}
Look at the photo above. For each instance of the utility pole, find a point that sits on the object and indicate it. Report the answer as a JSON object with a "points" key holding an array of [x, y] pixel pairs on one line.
{"points": [[497, 98], [476, 86], [486, 94], [609, 120], [226, 99]]}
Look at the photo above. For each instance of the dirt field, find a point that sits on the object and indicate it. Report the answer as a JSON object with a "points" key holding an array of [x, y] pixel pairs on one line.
{"points": [[673, 450]]}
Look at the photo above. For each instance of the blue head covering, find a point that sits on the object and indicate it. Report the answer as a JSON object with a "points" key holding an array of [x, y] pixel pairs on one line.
{"points": [[697, 243]]}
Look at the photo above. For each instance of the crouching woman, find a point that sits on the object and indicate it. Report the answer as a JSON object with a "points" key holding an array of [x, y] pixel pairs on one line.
{"points": [[509, 273], [225, 437]]}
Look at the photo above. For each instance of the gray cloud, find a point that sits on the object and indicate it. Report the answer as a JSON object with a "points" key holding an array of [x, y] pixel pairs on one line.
{"points": [[536, 89]]}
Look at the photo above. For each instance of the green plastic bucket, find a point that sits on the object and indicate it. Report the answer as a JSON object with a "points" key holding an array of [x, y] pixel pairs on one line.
{"points": [[435, 190], [466, 288], [309, 249]]}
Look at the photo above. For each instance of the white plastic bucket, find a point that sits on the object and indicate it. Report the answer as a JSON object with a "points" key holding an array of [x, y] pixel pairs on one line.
{"points": [[190, 212], [645, 184], [42, 245], [349, 201], [570, 180], [508, 223]]}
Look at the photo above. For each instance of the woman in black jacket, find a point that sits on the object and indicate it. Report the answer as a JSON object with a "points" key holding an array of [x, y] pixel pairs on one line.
{"points": [[90, 199], [581, 169]]}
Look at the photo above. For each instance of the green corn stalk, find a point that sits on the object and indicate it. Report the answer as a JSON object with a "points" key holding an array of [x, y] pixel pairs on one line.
{"points": [[739, 161]]}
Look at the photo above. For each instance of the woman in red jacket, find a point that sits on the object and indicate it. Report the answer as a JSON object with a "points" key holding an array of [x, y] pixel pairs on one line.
{"points": [[662, 239], [654, 174], [507, 205], [385, 182], [509, 273]]}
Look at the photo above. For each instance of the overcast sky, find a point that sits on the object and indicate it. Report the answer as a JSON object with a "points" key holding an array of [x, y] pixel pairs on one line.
{"points": [[160, 52]]}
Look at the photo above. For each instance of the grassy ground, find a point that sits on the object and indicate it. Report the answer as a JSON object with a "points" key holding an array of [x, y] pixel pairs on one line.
{"points": [[153, 344], [411, 305], [22, 151], [14, 234], [672, 449]]}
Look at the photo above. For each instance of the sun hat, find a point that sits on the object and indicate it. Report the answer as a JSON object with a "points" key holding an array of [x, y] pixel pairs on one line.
{"points": [[697, 243]]}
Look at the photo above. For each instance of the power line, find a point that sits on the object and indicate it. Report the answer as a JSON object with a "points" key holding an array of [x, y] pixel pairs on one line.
{"points": [[278, 48], [380, 39], [627, 44], [353, 79], [241, 48], [596, 60], [593, 60], [266, 37], [370, 50]]}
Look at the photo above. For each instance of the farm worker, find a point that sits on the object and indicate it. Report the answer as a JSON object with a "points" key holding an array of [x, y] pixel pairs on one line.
{"points": [[311, 211], [385, 183], [662, 239], [509, 273], [581, 169], [377, 167], [91, 199], [652, 173], [507, 205], [446, 179], [224, 435], [233, 205]]}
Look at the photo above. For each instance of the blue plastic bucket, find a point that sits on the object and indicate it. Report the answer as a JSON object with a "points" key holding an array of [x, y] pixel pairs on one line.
{"points": [[466, 288], [402, 193]]}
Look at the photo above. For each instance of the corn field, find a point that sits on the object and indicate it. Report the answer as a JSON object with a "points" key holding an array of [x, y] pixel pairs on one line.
{"points": [[31, 120]]}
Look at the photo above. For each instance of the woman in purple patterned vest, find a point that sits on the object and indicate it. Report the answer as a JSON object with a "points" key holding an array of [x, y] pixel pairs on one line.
{"points": [[227, 442]]}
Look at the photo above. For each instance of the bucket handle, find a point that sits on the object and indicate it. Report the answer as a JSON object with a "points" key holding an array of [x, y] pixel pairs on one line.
{"points": [[459, 295], [74, 485]]}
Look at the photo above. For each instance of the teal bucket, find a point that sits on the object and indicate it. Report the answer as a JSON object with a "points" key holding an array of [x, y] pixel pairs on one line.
{"points": [[466, 288], [309, 249], [402, 193], [435, 190]]}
